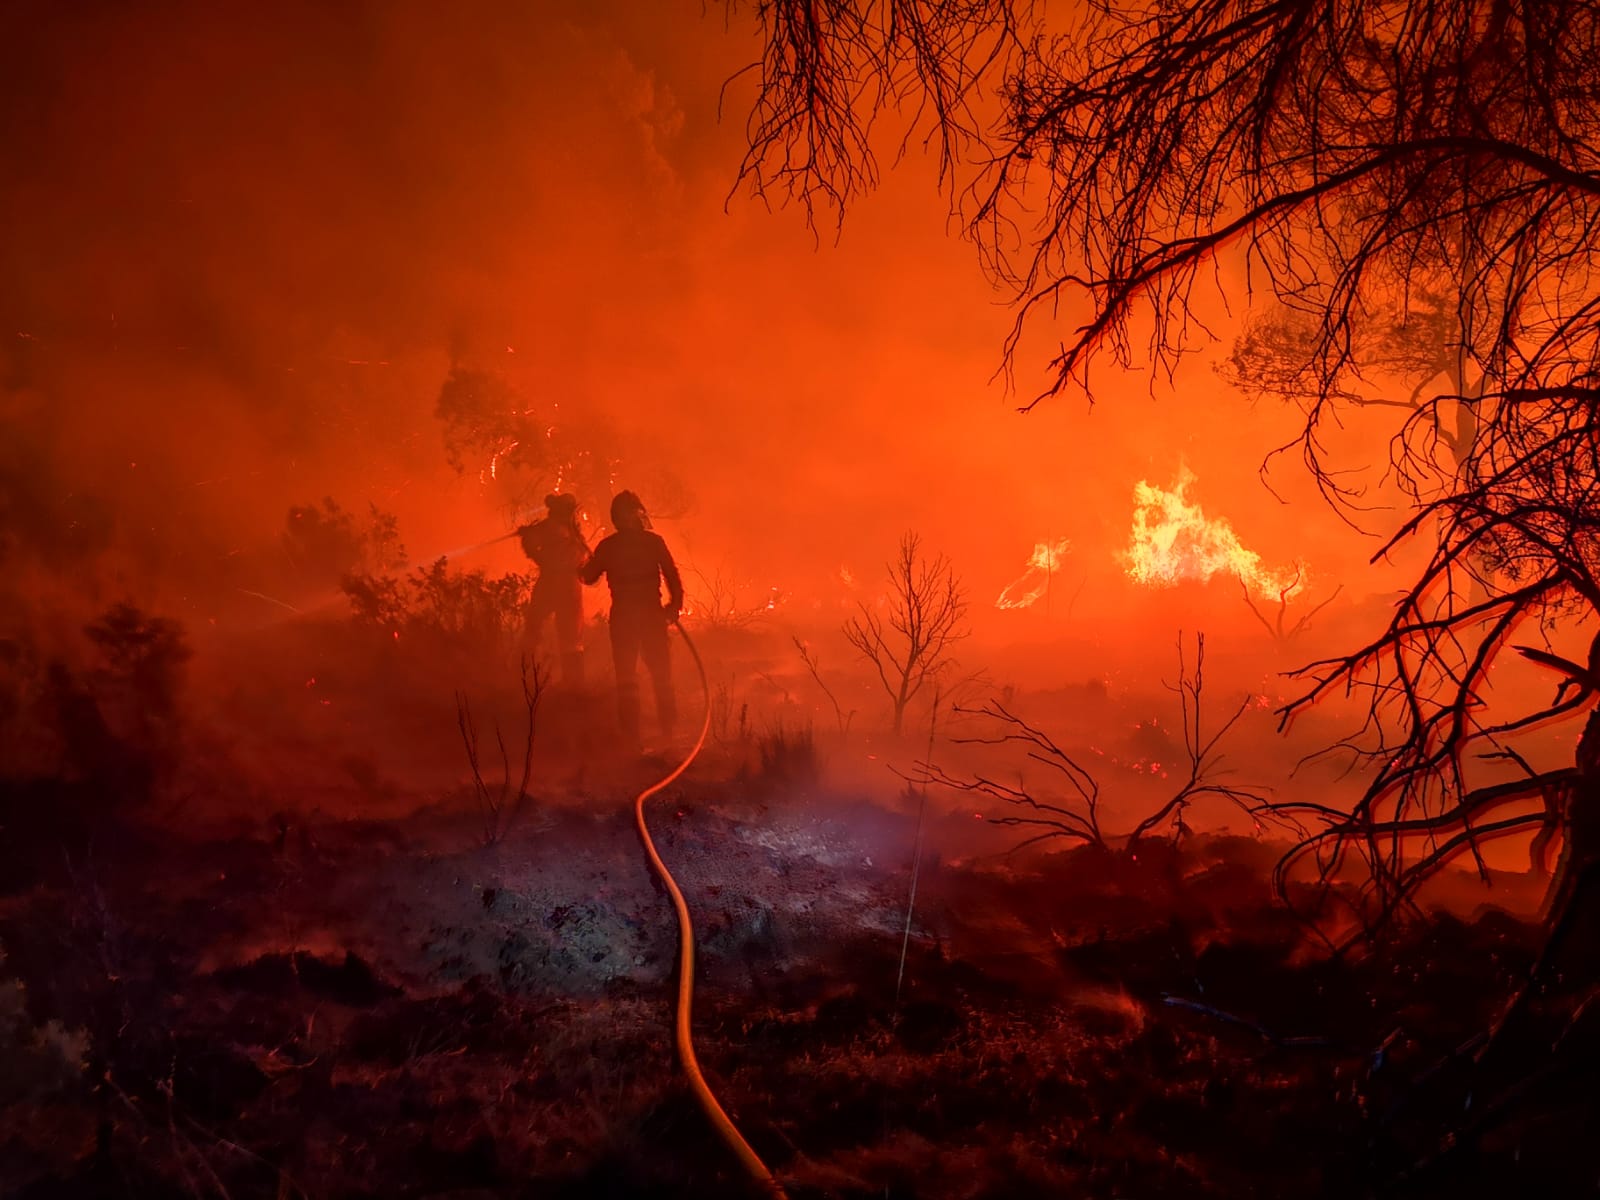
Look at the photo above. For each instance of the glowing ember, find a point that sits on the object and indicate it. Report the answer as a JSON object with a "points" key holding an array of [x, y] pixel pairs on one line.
{"points": [[494, 460], [1043, 565], [1172, 539]]}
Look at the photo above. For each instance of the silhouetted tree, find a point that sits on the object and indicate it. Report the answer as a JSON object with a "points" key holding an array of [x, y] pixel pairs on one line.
{"points": [[1417, 350], [1355, 162], [909, 642]]}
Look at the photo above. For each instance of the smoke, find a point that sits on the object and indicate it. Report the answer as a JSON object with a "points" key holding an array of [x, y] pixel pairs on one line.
{"points": [[246, 246]]}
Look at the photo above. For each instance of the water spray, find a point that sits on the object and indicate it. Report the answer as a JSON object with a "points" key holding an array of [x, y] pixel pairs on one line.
{"points": [[462, 551], [328, 599]]}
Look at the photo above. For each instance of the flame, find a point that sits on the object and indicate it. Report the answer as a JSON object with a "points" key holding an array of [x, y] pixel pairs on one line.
{"points": [[1033, 583], [1172, 539]]}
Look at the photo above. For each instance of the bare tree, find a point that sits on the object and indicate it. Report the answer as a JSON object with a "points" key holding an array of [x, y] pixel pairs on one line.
{"points": [[909, 643], [1278, 626]]}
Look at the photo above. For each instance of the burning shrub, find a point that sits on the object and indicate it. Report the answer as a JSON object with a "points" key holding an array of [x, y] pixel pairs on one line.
{"points": [[482, 417], [522, 446]]}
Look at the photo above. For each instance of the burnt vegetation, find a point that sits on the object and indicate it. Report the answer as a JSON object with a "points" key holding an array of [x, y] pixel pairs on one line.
{"points": [[1072, 808], [1412, 196]]}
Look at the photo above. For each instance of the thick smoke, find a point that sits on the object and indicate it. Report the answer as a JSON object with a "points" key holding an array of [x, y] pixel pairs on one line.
{"points": [[246, 248]]}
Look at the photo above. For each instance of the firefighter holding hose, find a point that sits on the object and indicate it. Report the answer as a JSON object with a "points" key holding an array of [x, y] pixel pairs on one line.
{"points": [[635, 562], [556, 545]]}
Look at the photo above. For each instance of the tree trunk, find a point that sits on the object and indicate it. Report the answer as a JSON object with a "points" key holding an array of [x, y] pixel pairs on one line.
{"points": [[1567, 974]]}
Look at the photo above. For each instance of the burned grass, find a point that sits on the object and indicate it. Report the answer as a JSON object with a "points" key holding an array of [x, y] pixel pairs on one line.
{"points": [[352, 1009]]}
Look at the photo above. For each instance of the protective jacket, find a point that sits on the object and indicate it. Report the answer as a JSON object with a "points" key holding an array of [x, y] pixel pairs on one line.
{"points": [[635, 562]]}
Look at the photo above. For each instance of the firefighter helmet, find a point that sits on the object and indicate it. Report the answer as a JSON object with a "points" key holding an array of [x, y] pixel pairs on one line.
{"points": [[627, 508]]}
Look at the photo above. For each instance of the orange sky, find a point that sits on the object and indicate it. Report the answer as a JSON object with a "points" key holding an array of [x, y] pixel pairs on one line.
{"points": [[242, 247]]}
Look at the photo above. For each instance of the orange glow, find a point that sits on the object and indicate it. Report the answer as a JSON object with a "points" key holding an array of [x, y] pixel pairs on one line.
{"points": [[1172, 539]]}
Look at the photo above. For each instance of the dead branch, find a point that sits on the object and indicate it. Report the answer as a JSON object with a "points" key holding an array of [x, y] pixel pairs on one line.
{"points": [[715, 604], [499, 807], [1077, 817], [1079, 820], [1275, 627], [829, 72], [810, 661], [1201, 750]]}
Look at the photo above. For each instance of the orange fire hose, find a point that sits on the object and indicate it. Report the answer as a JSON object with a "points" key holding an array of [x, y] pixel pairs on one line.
{"points": [[725, 1128]]}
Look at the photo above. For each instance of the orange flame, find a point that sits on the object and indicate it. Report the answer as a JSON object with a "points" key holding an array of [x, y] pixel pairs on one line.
{"points": [[1043, 564], [1172, 539]]}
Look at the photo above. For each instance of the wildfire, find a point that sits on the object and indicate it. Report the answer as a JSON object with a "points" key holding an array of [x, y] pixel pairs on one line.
{"points": [[1172, 539], [1033, 583]]}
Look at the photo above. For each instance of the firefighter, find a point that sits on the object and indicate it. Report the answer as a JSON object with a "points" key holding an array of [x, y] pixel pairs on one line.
{"points": [[635, 562], [556, 545]]}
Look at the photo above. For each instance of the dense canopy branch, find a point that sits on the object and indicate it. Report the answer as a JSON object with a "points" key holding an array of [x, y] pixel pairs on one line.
{"points": [[1413, 189], [1351, 152], [831, 69]]}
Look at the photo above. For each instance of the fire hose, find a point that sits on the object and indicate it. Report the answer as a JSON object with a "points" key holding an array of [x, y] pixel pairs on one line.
{"points": [[725, 1128]]}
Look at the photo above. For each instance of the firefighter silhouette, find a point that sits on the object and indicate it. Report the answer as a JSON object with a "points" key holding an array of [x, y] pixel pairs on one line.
{"points": [[556, 546], [635, 562]]}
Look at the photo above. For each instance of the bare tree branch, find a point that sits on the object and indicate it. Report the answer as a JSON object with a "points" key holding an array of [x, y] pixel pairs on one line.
{"points": [[909, 643]]}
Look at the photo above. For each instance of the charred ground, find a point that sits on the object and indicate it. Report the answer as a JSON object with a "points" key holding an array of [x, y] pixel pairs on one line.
{"points": [[301, 967]]}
